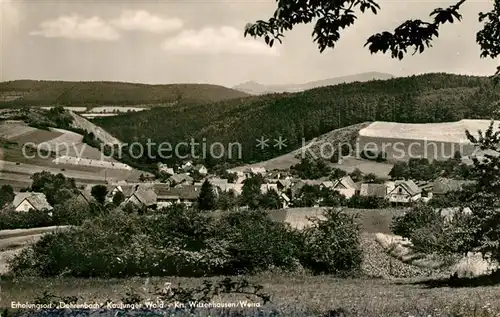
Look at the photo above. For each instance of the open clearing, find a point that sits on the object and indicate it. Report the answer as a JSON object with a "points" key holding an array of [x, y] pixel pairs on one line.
{"points": [[401, 141], [9, 131], [333, 139], [453, 132]]}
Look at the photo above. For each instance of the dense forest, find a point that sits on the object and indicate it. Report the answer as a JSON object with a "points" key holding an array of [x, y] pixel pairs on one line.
{"points": [[416, 99], [65, 93]]}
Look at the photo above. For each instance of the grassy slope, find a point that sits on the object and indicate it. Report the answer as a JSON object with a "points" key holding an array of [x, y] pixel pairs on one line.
{"points": [[419, 99], [110, 93]]}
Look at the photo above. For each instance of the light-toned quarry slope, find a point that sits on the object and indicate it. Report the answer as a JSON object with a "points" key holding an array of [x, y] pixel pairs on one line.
{"points": [[100, 133], [453, 132]]}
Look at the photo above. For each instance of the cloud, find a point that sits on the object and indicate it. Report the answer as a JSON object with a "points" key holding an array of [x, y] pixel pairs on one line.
{"points": [[76, 27], [143, 21], [9, 14], [225, 39]]}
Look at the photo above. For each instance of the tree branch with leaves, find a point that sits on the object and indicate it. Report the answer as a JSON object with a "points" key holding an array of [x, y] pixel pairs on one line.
{"points": [[332, 16]]}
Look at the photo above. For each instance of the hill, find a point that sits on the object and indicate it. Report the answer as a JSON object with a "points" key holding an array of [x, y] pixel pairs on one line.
{"points": [[303, 116], [255, 88], [43, 93]]}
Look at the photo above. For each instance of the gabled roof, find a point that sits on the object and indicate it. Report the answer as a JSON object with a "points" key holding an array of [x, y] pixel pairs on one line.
{"points": [[285, 182], [346, 181], [37, 200], [187, 192], [147, 197], [373, 190], [178, 178], [409, 186], [199, 166]]}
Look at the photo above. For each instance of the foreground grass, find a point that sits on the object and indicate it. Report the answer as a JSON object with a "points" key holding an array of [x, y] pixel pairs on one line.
{"points": [[290, 293]]}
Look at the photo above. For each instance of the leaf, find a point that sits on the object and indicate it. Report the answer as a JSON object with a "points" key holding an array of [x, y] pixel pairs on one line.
{"points": [[374, 10]]}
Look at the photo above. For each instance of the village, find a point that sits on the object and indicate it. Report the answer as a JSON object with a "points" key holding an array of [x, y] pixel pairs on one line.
{"points": [[183, 186]]}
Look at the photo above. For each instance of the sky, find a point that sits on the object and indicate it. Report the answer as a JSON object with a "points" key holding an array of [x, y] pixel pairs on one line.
{"points": [[186, 41]]}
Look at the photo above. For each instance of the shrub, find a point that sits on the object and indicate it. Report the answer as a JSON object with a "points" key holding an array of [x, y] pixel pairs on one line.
{"points": [[11, 219], [256, 243], [420, 216], [332, 246], [186, 242]]}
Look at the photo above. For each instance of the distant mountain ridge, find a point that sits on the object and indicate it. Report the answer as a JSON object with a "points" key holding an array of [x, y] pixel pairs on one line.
{"points": [[106, 93], [255, 88]]}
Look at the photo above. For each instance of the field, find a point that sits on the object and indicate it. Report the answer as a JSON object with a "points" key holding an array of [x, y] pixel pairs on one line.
{"points": [[321, 147], [9, 131], [439, 141], [294, 294]]}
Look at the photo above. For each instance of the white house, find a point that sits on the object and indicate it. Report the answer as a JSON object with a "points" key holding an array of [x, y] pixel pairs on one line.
{"points": [[24, 202], [345, 186], [404, 192]]}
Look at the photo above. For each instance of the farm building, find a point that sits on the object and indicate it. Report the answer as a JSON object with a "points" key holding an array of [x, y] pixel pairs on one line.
{"points": [[222, 185], [187, 195], [27, 201], [180, 179], [373, 190], [264, 188], [345, 186], [404, 191], [143, 197]]}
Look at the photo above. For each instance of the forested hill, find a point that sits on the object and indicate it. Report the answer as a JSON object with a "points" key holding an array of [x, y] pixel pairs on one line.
{"points": [[416, 99], [65, 93]]}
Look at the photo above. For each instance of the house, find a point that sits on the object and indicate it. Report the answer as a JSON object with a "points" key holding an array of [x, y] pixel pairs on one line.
{"points": [[264, 188], [222, 185], [373, 190], [345, 186], [127, 189], [84, 196], [200, 169], [180, 179], [448, 213], [187, 195], [442, 186], [255, 171], [285, 201], [284, 184], [163, 168], [404, 191], [143, 197], [26, 201], [187, 165]]}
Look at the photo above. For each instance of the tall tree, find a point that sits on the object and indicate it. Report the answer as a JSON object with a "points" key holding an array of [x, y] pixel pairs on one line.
{"points": [[6, 195], [250, 194], [99, 193], [207, 199]]}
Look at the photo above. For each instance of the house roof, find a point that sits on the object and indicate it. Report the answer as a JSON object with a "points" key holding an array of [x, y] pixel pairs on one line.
{"points": [[373, 190], [188, 192], [445, 185], [285, 182], [85, 193], [409, 186], [146, 196], [199, 166], [37, 200], [347, 182], [178, 178]]}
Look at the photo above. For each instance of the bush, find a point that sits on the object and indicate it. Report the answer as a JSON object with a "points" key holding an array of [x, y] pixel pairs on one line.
{"points": [[256, 243], [11, 219], [332, 246], [186, 242], [419, 217]]}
